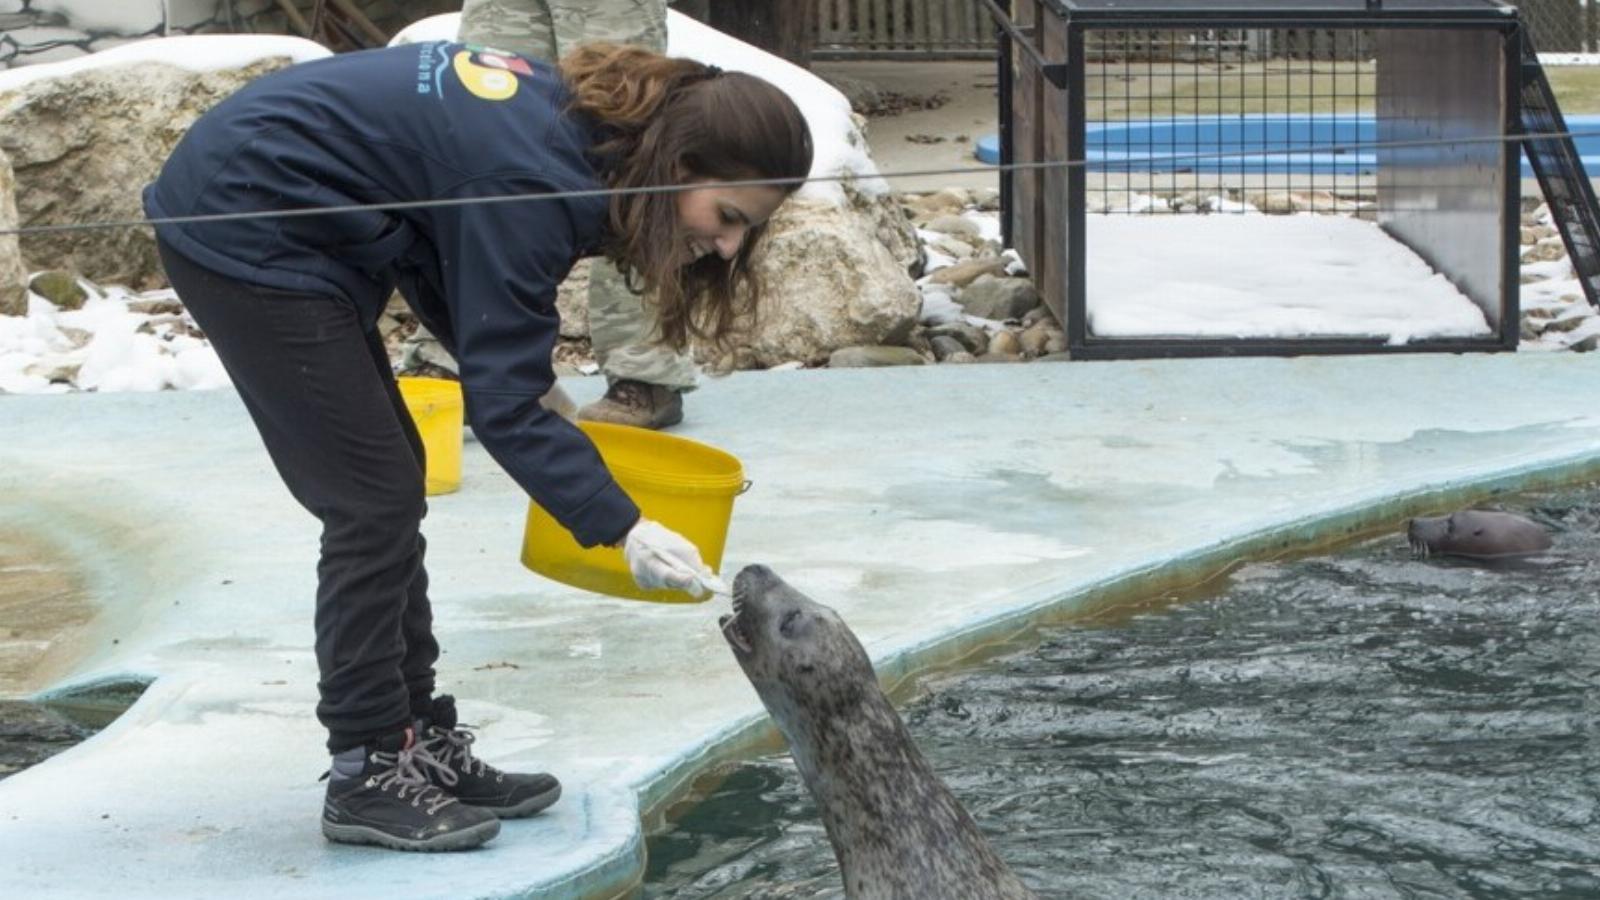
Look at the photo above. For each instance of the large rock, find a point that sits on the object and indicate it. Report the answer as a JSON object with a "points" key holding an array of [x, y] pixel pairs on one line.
{"points": [[999, 298], [83, 146], [830, 282], [13, 274], [889, 225]]}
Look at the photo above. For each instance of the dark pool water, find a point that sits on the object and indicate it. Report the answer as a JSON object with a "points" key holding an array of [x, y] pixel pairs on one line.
{"points": [[1359, 724]]}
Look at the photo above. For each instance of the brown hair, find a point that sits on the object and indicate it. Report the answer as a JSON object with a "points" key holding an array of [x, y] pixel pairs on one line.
{"points": [[670, 121]]}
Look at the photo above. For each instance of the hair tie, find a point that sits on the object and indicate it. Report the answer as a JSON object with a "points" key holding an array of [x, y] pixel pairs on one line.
{"points": [[712, 71]]}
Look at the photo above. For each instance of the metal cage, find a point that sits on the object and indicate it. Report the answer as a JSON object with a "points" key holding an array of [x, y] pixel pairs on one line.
{"points": [[1343, 106]]}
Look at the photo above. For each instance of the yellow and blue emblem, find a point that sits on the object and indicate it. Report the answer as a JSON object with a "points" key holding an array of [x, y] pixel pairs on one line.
{"points": [[489, 74]]}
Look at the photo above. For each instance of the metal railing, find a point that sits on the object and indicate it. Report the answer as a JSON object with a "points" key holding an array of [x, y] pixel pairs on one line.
{"points": [[963, 28]]}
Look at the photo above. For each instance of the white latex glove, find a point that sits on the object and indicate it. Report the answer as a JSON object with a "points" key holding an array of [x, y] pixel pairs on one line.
{"points": [[659, 557]]}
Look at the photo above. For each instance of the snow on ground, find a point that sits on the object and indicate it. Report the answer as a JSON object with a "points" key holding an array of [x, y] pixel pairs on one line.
{"points": [[197, 52], [839, 146], [1245, 275], [106, 345], [1556, 281], [1265, 277], [1211, 275]]}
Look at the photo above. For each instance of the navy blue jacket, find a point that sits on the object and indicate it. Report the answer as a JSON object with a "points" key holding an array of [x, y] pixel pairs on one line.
{"points": [[418, 122]]}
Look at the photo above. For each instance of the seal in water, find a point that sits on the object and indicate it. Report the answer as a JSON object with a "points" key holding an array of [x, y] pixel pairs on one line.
{"points": [[1477, 534], [896, 829]]}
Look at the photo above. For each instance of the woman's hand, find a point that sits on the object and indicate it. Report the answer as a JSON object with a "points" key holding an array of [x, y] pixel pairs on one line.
{"points": [[659, 557]]}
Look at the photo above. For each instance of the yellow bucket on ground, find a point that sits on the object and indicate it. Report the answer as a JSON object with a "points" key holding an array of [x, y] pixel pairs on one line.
{"points": [[685, 485], [435, 405]]}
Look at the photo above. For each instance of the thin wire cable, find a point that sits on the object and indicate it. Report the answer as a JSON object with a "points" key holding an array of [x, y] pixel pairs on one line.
{"points": [[1127, 164]]}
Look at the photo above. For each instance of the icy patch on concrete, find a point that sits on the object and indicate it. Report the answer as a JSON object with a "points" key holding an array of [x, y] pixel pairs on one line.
{"points": [[1264, 277]]}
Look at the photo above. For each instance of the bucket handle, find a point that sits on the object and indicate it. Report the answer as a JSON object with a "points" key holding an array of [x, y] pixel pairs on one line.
{"points": [[743, 488]]}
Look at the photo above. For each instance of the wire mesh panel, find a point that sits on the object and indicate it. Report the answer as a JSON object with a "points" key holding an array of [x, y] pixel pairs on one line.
{"points": [[1192, 123], [1561, 26], [1270, 177]]}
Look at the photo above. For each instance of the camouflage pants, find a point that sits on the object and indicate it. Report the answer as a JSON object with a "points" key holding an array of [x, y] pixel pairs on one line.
{"points": [[621, 327], [545, 29]]}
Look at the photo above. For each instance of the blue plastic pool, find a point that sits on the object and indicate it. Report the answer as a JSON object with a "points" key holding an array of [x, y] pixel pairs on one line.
{"points": [[1250, 144]]}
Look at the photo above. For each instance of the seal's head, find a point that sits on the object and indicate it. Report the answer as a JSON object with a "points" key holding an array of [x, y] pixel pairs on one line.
{"points": [[1476, 534], [894, 826], [802, 659]]}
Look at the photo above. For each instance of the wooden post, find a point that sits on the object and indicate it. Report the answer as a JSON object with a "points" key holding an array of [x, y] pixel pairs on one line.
{"points": [[694, 9], [296, 20], [373, 32], [784, 28]]}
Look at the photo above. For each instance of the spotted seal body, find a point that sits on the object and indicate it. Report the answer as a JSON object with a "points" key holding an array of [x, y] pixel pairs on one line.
{"points": [[896, 829], [1477, 534]]}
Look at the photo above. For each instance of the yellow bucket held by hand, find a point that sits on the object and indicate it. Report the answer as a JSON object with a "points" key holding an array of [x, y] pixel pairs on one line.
{"points": [[685, 485], [435, 405]]}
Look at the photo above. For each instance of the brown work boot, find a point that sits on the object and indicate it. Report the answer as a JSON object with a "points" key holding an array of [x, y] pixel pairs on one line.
{"points": [[629, 402]]}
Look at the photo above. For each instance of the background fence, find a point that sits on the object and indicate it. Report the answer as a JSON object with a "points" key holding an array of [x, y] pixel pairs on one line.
{"points": [[962, 28], [34, 32], [1562, 26], [885, 29]]}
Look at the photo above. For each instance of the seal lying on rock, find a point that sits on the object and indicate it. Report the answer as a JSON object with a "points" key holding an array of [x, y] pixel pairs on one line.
{"points": [[895, 828], [1477, 534]]}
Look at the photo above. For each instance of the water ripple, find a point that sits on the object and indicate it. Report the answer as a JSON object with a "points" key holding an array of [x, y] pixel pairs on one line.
{"points": [[1360, 724]]}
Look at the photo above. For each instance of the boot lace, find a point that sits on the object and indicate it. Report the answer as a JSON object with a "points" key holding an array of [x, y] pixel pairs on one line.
{"points": [[455, 748], [408, 772]]}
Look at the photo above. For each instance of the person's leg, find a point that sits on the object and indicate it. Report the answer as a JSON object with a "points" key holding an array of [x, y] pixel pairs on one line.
{"points": [[525, 27], [645, 379], [545, 29], [520, 26], [303, 368], [642, 23], [474, 782], [416, 623]]}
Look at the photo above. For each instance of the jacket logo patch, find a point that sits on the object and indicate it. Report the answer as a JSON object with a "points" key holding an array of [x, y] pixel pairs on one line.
{"points": [[487, 74]]}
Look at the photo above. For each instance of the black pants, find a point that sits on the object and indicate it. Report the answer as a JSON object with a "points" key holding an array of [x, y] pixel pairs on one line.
{"points": [[323, 396]]}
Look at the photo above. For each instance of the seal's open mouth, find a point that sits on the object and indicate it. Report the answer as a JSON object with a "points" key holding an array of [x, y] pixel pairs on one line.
{"points": [[733, 627]]}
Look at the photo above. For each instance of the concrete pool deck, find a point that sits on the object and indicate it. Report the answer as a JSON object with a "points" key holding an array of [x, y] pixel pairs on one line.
{"points": [[937, 508]]}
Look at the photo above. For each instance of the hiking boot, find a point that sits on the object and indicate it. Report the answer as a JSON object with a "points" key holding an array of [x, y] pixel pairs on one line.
{"points": [[629, 402], [389, 800], [473, 781]]}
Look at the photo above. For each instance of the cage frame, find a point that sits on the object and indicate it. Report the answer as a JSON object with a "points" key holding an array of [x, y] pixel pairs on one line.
{"points": [[1048, 37]]}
